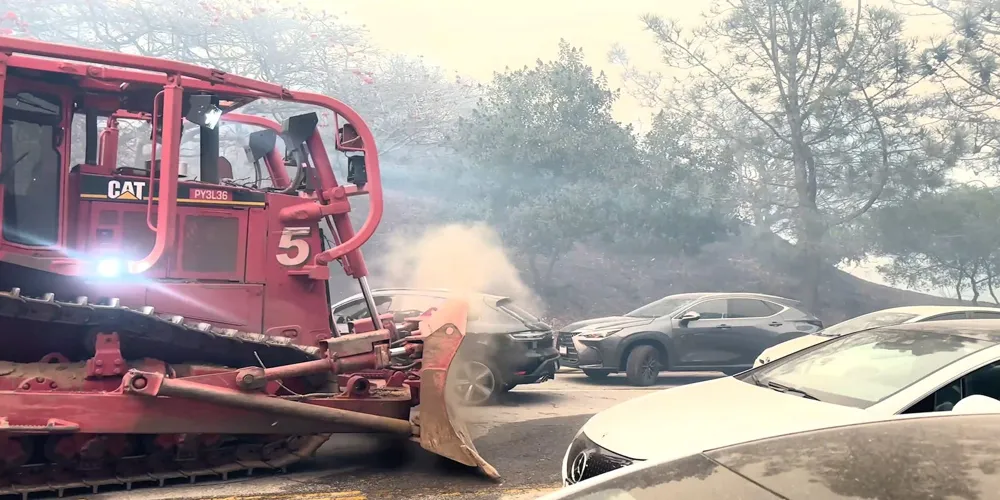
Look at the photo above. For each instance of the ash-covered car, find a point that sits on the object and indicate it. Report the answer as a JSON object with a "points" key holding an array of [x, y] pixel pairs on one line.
{"points": [[913, 457], [509, 345], [685, 332]]}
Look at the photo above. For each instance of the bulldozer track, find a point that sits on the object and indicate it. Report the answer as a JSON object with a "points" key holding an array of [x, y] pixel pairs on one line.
{"points": [[142, 471], [192, 341], [199, 341]]}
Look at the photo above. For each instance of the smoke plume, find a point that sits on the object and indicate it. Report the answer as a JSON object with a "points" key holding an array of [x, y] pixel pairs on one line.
{"points": [[462, 258]]}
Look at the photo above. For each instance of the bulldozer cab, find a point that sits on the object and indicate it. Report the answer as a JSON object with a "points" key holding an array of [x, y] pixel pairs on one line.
{"points": [[159, 238]]}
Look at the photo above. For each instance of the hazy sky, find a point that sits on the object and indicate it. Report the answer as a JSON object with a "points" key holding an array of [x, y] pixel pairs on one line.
{"points": [[476, 39], [479, 38]]}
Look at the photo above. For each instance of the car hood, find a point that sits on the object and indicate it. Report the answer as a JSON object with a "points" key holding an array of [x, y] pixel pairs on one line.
{"points": [[706, 415], [605, 323], [789, 346]]}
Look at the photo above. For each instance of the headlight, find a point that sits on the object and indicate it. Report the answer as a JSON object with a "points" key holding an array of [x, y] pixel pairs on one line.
{"points": [[109, 268], [528, 335], [599, 335]]}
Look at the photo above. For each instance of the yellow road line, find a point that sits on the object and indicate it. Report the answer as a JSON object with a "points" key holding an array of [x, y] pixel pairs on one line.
{"points": [[330, 495], [428, 493]]}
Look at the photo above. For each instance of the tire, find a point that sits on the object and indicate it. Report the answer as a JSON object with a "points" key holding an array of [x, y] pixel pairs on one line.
{"points": [[596, 375], [475, 383], [643, 366]]}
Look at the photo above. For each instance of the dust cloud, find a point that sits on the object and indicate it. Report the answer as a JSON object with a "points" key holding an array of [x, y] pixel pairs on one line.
{"points": [[462, 258]]}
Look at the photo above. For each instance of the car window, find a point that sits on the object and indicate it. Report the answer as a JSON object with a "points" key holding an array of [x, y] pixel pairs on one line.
{"points": [[985, 315], [513, 308], [984, 381], [489, 314], [357, 309], [661, 307], [414, 303], [863, 369], [749, 308], [712, 309], [947, 317]]}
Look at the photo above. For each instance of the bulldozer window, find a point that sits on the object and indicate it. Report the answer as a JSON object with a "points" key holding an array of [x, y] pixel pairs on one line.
{"points": [[30, 171]]}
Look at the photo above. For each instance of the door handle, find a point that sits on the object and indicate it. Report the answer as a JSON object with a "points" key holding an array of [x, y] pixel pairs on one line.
{"points": [[724, 327], [774, 323]]}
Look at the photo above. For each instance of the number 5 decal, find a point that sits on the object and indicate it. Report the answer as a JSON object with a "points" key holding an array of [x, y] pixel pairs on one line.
{"points": [[298, 248]]}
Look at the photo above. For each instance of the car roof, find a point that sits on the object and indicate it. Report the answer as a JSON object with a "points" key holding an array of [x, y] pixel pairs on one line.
{"points": [[980, 329], [736, 295], [932, 451], [424, 292], [932, 310]]}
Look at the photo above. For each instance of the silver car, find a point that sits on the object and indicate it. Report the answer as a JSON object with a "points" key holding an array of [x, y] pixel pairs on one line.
{"points": [[871, 374], [885, 317]]}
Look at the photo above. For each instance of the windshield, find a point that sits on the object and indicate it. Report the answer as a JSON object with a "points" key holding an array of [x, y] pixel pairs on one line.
{"points": [[863, 369], [867, 321], [518, 312], [661, 307]]}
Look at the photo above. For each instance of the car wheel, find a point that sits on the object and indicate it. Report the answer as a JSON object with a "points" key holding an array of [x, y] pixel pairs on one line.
{"points": [[596, 375], [643, 366], [475, 383]]}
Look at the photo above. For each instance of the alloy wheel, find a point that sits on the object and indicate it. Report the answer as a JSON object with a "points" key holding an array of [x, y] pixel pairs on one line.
{"points": [[474, 383], [650, 367]]}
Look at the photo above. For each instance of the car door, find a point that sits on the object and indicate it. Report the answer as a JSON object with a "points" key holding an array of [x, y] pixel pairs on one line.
{"points": [[756, 326], [708, 341]]}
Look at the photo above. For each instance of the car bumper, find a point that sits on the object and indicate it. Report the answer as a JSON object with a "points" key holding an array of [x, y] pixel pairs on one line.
{"points": [[596, 354], [538, 366], [523, 361], [591, 354], [568, 354]]}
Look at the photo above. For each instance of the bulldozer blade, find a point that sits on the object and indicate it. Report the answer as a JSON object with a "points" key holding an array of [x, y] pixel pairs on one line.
{"points": [[441, 430]]}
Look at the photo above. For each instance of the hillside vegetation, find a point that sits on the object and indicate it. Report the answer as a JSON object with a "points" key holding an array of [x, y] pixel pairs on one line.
{"points": [[590, 281]]}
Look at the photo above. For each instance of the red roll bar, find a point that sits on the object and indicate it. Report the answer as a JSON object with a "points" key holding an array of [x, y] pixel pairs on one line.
{"points": [[176, 76]]}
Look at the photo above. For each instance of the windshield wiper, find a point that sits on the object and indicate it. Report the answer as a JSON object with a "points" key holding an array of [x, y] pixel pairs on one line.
{"points": [[789, 390]]}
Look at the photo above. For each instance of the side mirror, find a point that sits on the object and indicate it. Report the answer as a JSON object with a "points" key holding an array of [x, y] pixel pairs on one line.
{"points": [[690, 316], [341, 320]]}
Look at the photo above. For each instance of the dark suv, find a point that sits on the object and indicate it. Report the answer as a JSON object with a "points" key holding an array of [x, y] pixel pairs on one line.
{"points": [[507, 345], [686, 332]]}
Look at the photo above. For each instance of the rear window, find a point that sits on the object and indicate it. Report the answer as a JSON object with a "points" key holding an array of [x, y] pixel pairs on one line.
{"points": [[517, 311], [866, 321]]}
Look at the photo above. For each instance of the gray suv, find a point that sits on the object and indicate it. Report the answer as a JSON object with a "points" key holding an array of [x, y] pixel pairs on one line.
{"points": [[685, 332], [511, 345]]}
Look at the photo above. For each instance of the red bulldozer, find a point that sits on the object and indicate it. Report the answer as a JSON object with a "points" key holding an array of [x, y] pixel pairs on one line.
{"points": [[159, 324]]}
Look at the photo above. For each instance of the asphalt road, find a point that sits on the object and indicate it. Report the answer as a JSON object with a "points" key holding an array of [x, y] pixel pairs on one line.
{"points": [[523, 436]]}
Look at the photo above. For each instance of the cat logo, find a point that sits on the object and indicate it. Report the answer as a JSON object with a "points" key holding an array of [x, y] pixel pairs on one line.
{"points": [[126, 190]]}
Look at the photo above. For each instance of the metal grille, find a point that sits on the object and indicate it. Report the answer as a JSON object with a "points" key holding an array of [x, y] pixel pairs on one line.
{"points": [[210, 244], [586, 460], [600, 463], [570, 358]]}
